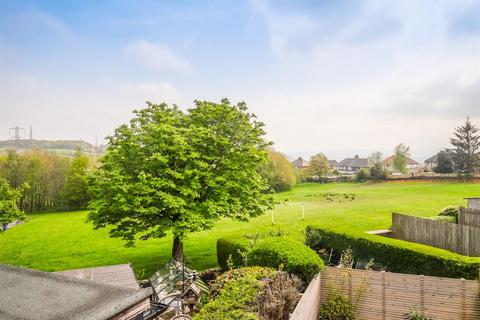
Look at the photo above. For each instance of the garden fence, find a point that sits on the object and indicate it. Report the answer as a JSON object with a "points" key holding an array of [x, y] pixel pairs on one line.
{"points": [[469, 217], [388, 296], [462, 239]]}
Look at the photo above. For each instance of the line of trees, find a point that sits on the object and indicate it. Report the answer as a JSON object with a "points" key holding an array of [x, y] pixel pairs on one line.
{"points": [[47, 181]]}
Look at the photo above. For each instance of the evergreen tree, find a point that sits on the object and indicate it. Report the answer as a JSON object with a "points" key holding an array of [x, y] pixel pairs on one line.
{"points": [[444, 163], [466, 141]]}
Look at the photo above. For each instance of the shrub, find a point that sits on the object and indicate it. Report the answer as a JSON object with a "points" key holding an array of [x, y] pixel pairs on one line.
{"points": [[252, 293], [415, 315], [377, 172], [292, 255], [337, 307], [362, 175], [444, 218], [278, 297], [234, 249], [236, 274], [396, 255], [450, 212], [236, 295]]}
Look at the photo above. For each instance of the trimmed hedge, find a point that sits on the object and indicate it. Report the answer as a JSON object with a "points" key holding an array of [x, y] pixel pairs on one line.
{"points": [[396, 255], [295, 257], [231, 247]]}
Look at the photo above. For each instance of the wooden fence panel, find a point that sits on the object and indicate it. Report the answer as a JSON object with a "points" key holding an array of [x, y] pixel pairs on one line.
{"points": [[462, 239], [388, 296], [309, 305], [469, 217]]}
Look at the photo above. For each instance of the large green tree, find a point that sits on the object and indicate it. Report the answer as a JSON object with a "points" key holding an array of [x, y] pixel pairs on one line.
{"points": [[74, 192], [169, 170], [279, 172], [377, 172], [9, 198], [466, 142], [318, 166], [400, 161]]}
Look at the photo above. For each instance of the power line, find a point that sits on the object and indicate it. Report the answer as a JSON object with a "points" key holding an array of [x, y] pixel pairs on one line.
{"points": [[17, 133]]}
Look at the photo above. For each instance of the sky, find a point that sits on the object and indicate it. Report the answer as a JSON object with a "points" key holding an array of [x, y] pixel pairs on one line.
{"points": [[338, 77]]}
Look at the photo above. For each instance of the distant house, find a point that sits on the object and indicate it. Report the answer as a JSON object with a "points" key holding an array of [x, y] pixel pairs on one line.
{"points": [[352, 165], [333, 164], [300, 163], [431, 162], [411, 164]]}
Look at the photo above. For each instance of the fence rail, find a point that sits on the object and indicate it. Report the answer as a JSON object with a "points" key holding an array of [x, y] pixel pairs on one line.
{"points": [[388, 296], [462, 239], [469, 217]]}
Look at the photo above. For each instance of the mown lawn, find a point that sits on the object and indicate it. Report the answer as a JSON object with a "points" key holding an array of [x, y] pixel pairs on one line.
{"points": [[58, 241]]}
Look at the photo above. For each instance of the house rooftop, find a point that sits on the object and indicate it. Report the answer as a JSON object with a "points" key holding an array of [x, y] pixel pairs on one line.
{"points": [[432, 158], [120, 275], [32, 294], [300, 163], [355, 162], [390, 160]]}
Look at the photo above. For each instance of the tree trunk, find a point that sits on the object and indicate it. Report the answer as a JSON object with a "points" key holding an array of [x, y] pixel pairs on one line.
{"points": [[177, 249]]}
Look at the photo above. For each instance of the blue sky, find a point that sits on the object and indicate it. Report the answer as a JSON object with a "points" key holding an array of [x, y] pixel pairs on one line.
{"points": [[339, 77]]}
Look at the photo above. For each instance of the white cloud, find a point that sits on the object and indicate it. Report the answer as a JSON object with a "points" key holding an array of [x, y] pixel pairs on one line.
{"points": [[285, 29], [155, 92], [157, 56], [52, 22]]}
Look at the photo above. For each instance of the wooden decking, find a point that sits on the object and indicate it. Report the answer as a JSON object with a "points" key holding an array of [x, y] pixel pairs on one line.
{"points": [[120, 275]]}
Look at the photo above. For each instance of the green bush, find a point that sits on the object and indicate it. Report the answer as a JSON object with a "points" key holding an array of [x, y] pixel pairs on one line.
{"points": [[450, 212], [337, 307], [233, 248], [294, 256], [415, 315], [449, 219], [396, 255], [362, 175], [235, 274], [235, 295]]}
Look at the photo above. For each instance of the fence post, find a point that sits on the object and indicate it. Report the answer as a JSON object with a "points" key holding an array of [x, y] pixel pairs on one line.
{"points": [[422, 294], [464, 300], [384, 296]]}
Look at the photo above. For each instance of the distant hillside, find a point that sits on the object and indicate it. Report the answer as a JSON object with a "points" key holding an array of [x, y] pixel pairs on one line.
{"points": [[60, 146]]}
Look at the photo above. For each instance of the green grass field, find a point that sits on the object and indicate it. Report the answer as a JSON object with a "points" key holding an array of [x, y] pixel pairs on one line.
{"points": [[58, 241]]}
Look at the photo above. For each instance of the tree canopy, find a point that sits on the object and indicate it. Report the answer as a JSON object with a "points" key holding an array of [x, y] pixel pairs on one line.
{"points": [[279, 172], [169, 170], [402, 152], [377, 172], [466, 141], [444, 162], [318, 166], [74, 192], [9, 197]]}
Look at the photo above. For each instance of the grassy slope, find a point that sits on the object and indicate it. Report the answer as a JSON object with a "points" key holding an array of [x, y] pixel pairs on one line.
{"points": [[57, 241]]}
